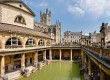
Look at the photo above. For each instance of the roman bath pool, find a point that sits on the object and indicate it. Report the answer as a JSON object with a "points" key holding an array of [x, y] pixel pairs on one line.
{"points": [[56, 71]]}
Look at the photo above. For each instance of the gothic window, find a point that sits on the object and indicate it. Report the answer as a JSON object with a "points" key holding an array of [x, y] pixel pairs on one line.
{"points": [[20, 19], [41, 43], [13, 41], [49, 30], [30, 41]]}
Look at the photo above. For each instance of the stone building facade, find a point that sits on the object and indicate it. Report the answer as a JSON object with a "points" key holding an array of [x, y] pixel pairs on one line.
{"points": [[72, 37], [18, 39], [21, 46], [105, 34], [45, 26], [95, 39]]}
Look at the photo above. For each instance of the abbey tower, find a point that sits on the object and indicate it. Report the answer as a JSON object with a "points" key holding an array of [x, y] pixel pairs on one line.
{"points": [[45, 25]]}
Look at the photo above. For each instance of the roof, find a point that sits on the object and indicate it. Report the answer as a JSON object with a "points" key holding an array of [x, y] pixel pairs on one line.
{"points": [[20, 1], [20, 30]]}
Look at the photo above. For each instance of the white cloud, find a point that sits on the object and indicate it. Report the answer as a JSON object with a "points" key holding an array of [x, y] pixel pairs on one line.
{"points": [[95, 8], [76, 10], [43, 4]]}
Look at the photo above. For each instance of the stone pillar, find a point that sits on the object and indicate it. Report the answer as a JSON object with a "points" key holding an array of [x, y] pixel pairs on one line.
{"points": [[35, 58], [2, 66], [82, 56], [23, 61], [50, 54], [60, 54], [35, 61], [89, 68], [44, 55], [71, 55], [102, 75]]}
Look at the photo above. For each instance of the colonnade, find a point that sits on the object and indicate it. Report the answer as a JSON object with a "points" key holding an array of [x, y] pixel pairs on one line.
{"points": [[35, 59], [87, 64]]}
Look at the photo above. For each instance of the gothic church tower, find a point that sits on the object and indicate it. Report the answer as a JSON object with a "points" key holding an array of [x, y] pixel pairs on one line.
{"points": [[58, 32], [45, 18]]}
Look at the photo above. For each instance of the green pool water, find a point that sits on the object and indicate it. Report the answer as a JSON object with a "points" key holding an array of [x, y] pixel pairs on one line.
{"points": [[56, 71]]}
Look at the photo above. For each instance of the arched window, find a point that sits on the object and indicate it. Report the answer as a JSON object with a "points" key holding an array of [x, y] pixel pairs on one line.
{"points": [[13, 41], [30, 42], [20, 19], [41, 43]]}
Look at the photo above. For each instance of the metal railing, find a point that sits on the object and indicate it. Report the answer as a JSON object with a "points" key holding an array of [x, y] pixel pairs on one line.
{"points": [[105, 60]]}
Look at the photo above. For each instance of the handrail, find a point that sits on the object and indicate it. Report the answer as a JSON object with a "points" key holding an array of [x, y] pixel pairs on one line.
{"points": [[102, 59]]}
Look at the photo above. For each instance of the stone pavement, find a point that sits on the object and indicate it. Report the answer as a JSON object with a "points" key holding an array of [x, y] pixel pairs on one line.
{"points": [[13, 75]]}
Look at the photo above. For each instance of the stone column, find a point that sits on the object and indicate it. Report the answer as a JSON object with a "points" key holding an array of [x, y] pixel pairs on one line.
{"points": [[60, 54], [44, 55], [35, 58], [50, 54], [71, 54], [102, 75], [82, 56], [89, 68], [2, 66], [23, 61]]}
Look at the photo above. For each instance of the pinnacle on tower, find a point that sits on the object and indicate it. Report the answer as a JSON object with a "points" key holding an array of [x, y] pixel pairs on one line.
{"points": [[47, 11]]}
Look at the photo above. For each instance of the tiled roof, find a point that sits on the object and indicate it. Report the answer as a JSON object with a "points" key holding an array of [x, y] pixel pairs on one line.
{"points": [[20, 30]]}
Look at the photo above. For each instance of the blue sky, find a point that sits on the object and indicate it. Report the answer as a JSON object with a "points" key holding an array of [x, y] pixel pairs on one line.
{"points": [[75, 15]]}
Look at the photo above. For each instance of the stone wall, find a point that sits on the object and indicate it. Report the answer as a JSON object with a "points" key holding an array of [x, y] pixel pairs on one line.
{"points": [[10, 13]]}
